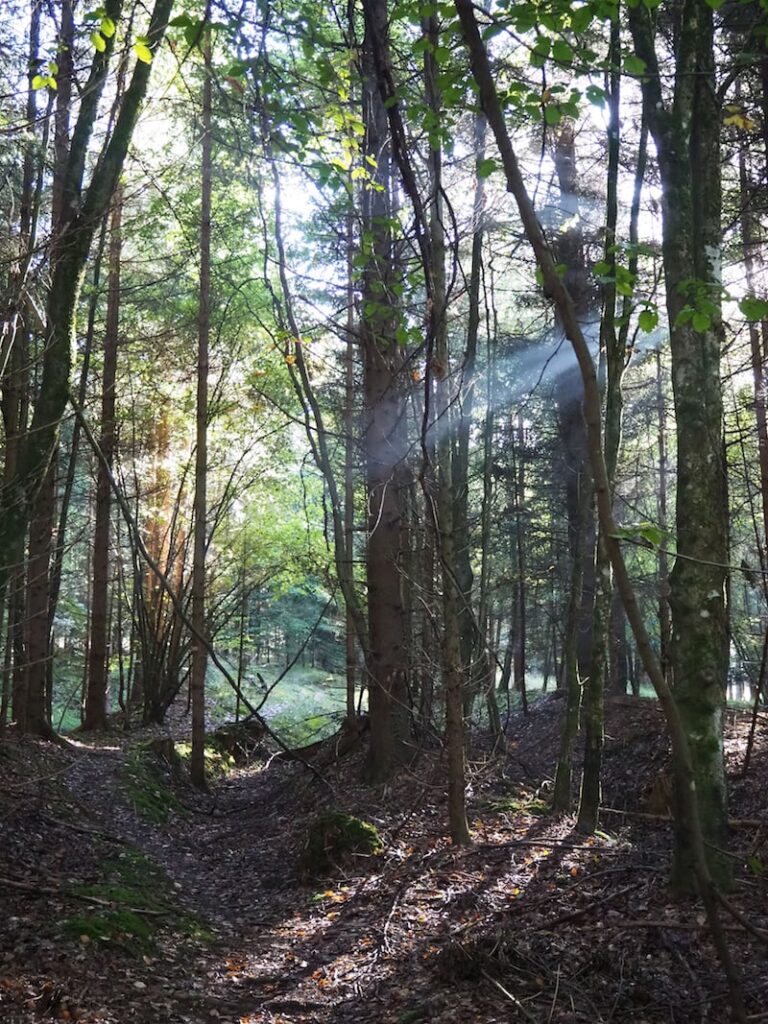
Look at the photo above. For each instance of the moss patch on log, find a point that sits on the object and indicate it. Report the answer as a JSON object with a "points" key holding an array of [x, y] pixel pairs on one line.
{"points": [[336, 840]]}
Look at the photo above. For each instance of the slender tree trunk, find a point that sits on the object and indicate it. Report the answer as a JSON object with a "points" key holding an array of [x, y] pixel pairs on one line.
{"points": [[578, 644], [665, 625], [614, 356], [453, 675], [97, 693], [471, 636], [520, 649], [199, 652], [349, 466]]}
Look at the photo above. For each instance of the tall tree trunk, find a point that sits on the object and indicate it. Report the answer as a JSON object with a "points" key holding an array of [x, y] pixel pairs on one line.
{"points": [[453, 675], [577, 654], [471, 635], [384, 441], [665, 625], [199, 652], [687, 137], [350, 647], [96, 697], [520, 637], [614, 355]]}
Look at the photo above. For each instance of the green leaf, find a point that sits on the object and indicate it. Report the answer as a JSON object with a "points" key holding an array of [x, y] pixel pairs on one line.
{"points": [[39, 81], [581, 18], [653, 534], [99, 42], [107, 27], [715, 4], [181, 21], [143, 52], [596, 95], [753, 308], [701, 321], [648, 320], [684, 316], [552, 115], [634, 65], [562, 52], [486, 167]]}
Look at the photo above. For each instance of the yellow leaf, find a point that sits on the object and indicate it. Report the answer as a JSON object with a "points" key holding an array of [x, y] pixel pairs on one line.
{"points": [[290, 360]]}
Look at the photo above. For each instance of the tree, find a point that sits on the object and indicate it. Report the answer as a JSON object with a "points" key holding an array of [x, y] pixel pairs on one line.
{"points": [[686, 130]]}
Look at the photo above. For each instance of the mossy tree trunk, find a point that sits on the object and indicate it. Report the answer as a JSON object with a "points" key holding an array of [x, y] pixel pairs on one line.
{"points": [[686, 130]]}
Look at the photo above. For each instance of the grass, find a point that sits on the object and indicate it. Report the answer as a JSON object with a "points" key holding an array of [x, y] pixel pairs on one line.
{"points": [[307, 705]]}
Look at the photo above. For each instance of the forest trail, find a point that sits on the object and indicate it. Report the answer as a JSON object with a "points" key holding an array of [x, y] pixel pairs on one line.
{"points": [[533, 922]]}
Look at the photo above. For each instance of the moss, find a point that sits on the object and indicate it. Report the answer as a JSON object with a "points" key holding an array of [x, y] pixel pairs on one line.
{"points": [[146, 786], [335, 839], [218, 763], [137, 894], [522, 802], [122, 927]]}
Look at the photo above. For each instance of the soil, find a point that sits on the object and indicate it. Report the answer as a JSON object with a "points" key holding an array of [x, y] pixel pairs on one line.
{"points": [[533, 922]]}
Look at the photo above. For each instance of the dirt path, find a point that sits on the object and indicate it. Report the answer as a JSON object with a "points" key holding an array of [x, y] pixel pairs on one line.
{"points": [[533, 922]]}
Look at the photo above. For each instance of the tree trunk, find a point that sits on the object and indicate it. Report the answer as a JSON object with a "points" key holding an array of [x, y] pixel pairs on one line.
{"points": [[453, 593], [199, 652], [36, 720], [97, 693], [384, 441], [687, 137]]}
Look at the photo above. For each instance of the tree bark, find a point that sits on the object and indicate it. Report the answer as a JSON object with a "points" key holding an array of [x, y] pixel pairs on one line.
{"points": [[384, 441], [687, 137], [96, 698], [199, 652]]}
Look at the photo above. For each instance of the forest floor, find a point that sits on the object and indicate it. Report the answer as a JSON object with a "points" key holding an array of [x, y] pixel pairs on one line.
{"points": [[127, 897]]}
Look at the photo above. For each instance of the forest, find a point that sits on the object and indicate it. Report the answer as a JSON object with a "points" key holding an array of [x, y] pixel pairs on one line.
{"points": [[383, 511]]}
